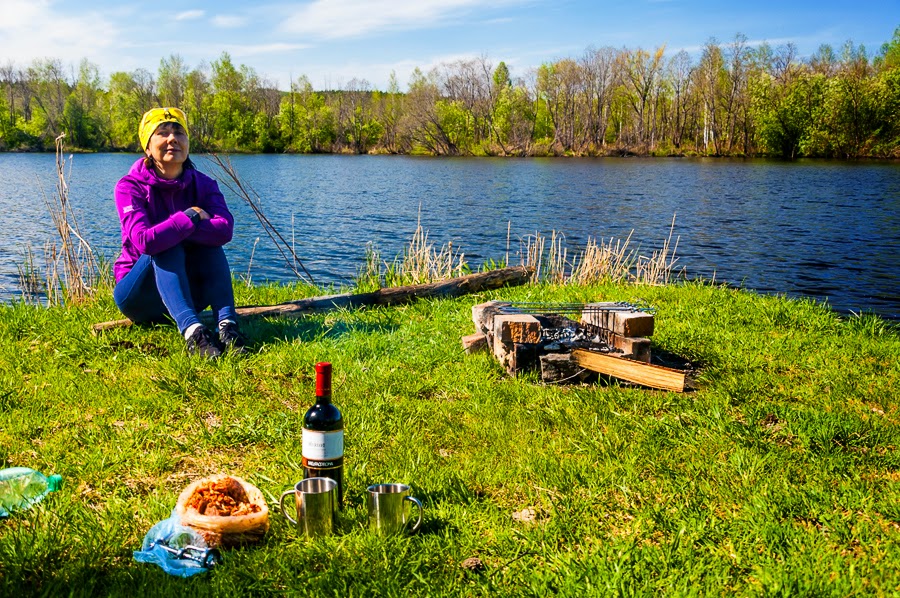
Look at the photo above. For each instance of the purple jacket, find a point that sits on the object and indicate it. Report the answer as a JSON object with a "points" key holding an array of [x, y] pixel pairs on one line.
{"points": [[151, 211]]}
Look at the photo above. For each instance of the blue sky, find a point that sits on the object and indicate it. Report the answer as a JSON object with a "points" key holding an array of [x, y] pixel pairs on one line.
{"points": [[334, 41]]}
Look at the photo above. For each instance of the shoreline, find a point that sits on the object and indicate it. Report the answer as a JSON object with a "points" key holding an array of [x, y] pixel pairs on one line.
{"points": [[612, 154]]}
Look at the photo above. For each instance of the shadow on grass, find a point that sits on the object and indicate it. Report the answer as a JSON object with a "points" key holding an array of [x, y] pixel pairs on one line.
{"points": [[261, 332], [434, 526]]}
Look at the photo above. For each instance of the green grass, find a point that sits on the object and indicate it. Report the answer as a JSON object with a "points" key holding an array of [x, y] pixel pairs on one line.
{"points": [[779, 475]]}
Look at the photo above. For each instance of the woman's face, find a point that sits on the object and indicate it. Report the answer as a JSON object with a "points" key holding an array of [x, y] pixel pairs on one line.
{"points": [[168, 146]]}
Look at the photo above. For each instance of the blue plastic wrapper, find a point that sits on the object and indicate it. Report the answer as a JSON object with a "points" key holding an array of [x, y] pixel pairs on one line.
{"points": [[172, 533]]}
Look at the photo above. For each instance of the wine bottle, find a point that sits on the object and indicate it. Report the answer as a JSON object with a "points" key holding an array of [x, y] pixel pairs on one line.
{"points": [[323, 435]]}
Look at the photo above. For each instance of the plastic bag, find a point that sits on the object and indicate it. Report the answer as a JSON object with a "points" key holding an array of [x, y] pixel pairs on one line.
{"points": [[171, 533], [229, 530]]}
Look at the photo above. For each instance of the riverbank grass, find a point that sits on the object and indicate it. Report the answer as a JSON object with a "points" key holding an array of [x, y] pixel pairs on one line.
{"points": [[779, 475]]}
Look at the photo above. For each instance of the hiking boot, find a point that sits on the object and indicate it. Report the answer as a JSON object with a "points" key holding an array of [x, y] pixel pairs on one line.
{"points": [[202, 343], [231, 339]]}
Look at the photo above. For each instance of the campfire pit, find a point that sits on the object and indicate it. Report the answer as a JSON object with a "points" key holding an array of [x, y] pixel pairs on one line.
{"points": [[571, 341]]}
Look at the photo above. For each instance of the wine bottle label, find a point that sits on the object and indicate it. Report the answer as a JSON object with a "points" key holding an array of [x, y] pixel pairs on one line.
{"points": [[323, 449]]}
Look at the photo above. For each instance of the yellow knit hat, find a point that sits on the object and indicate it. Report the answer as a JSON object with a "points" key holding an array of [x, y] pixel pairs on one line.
{"points": [[157, 116]]}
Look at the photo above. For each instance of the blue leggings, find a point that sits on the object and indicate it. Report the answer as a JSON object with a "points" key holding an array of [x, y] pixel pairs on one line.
{"points": [[179, 282]]}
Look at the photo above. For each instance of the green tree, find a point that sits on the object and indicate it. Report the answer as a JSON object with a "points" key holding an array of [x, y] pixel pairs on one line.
{"points": [[49, 89], [231, 119], [889, 56], [172, 81], [124, 113], [306, 119], [424, 121], [198, 98], [391, 111]]}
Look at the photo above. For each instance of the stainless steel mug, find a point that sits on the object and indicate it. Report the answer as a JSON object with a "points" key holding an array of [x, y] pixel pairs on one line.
{"points": [[389, 510], [315, 502]]}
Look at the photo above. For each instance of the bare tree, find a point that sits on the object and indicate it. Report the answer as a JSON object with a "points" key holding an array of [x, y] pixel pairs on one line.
{"points": [[421, 120], [48, 86], [785, 64], [642, 76], [144, 89], [737, 101], [469, 82], [680, 74], [709, 76], [601, 77], [9, 76]]}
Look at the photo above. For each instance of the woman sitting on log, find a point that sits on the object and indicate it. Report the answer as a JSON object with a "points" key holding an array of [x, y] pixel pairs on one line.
{"points": [[174, 224]]}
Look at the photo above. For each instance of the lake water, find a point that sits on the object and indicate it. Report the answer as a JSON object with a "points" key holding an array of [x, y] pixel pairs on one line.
{"points": [[827, 230]]}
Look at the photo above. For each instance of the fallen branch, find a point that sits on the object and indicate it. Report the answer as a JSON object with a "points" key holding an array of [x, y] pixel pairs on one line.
{"points": [[452, 287], [228, 176]]}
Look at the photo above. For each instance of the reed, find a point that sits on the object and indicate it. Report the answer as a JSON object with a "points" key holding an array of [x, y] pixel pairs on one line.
{"points": [[657, 269], [423, 262], [552, 261], [611, 261], [72, 267], [32, 283], [420, 262], [229, 177], [248, 278]]}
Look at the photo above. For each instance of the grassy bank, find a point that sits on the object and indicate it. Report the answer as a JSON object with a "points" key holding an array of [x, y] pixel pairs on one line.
{"points": [[779, 476]]}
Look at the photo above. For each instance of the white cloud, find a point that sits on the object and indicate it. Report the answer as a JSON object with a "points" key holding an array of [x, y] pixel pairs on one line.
{"points": [[228, 21], [31, 29], [189, 15], [21, 13], [255, 50], [350, 18]]}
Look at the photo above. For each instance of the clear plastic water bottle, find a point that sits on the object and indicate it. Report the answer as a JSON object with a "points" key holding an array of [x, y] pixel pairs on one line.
{"points": [[21, 487]]}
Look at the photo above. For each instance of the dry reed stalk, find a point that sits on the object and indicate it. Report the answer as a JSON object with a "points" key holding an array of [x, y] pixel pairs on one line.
{"points": [[657, 269], [612, 261], [249, 278], [508, 231], [548, 257], [602, 262], [229, 177], [74, 256], [557, 258], [422, 263], [31, 283], [534, 255]]}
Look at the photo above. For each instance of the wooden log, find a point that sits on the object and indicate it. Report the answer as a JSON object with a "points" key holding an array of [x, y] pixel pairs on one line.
{"points": [[637, 348], [474, 342], [561, 367], [646, 374], [517, 328], [511, 335], [483, 315], [452, 287], [618, 321]]}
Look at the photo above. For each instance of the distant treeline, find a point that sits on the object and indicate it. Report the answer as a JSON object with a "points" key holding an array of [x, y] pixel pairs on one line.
{"points": [[734, 100]]}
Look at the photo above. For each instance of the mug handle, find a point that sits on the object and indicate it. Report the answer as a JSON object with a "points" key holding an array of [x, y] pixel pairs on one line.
{"points": [[415, 500], [281, 505]]}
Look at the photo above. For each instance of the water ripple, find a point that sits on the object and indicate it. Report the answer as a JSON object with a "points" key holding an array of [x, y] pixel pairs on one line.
{"points": [[826, 230]]}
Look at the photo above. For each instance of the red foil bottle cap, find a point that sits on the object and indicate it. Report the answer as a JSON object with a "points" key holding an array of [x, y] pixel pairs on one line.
{"points": [[323, 379]]}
